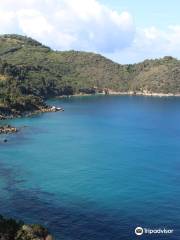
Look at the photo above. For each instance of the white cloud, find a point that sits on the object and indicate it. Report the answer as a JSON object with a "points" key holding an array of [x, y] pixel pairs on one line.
{"points": [[150, 43], [70, 24], [173, 37], [33, 23], [156, 42], [7, 21], [152, 33], [90, 26]]}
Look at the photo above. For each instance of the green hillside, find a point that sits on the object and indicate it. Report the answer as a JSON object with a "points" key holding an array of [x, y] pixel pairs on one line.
{"points": [[28, 69]]}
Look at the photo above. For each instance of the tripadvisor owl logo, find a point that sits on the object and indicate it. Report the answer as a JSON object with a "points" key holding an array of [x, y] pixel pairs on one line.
{"points": [[139, 231]]}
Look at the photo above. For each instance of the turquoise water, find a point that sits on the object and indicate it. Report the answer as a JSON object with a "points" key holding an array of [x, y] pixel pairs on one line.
{"points": [[97, 170]]}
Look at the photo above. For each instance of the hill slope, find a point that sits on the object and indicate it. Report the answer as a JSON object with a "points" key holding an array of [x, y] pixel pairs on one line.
{"points": [[28, 68]]}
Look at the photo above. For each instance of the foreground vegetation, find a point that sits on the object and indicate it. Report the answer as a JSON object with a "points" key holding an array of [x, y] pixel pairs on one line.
{"points": [[31, 72], [14, 230]]}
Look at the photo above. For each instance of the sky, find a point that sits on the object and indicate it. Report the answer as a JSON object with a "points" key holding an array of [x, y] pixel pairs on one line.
{"points": [[159, 13], [126, 31]]}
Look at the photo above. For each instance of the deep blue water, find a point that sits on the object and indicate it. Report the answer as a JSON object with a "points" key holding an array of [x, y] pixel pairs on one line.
{"points": [[97, 170]]}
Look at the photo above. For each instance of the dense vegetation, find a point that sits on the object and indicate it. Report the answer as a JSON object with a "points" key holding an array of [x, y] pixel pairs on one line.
{"points": [[30, 71], [9, 228]]}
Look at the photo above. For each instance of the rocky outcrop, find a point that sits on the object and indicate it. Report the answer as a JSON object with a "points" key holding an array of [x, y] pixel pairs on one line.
{"points": [[87, 90], [17, 114], [51, 109], [33, 232], [8, 129], [43, 110], [13, 230]]}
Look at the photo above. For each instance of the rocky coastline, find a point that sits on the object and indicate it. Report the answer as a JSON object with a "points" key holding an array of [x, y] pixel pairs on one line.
{"points": [[11, 229], [8, 129], [42, 110], [119, 93], [9, 114], [142, 93]]}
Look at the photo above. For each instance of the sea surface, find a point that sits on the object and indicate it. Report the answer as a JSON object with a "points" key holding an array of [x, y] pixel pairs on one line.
{"points": [[96, 171]]}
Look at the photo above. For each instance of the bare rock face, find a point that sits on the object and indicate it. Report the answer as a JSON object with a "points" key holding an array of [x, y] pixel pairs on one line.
{"points": [[49, 237], [33, 232]]}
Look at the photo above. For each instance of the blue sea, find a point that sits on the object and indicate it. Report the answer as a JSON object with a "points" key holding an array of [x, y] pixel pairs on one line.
{"points": [[96, 171]]}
